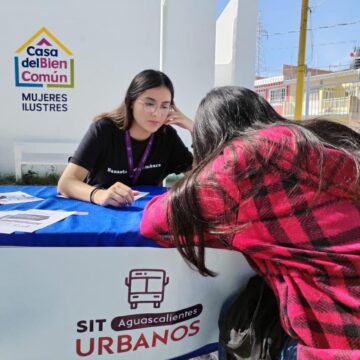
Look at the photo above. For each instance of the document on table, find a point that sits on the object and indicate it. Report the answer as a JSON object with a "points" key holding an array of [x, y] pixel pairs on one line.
{"points": [[17, 197], [136, 197], [30, 220], [140, 195]]}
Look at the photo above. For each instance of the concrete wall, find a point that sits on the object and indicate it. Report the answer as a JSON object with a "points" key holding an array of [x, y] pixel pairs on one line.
{"points": [[235, 57], [189, 52]]}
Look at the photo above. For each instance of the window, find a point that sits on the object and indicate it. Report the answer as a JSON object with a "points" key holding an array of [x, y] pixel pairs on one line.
{"points": [[350, 90], [328, 93], [277, 95]]}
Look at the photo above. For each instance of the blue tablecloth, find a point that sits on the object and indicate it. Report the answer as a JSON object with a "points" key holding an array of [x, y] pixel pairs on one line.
{"points": [[103, 226]]}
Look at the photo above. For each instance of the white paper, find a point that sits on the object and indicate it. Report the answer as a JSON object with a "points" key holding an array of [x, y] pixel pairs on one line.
{"points": [[17, 197], [136, 197], [140, 195], [4, 228], [80, 213], [30, 220]]}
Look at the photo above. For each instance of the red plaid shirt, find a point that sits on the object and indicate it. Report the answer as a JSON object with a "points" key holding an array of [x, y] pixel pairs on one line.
{"points": [[308, 250]]}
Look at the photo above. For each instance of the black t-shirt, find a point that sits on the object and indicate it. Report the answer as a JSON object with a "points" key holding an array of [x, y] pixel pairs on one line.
{"points": [[102, 152]]}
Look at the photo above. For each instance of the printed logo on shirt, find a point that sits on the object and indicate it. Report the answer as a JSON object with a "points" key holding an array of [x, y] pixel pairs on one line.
{"points": [[152, 166], [112, 171], [124, 171]]}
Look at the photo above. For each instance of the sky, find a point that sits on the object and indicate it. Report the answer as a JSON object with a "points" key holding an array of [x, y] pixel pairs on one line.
{"points": [[334, 30]]}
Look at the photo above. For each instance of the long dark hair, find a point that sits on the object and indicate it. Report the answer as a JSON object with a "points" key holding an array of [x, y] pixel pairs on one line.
{"points": [[227, 113], [147, 79]]}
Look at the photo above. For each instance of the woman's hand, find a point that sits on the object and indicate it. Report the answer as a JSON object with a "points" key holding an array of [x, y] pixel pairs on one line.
{"points": [[117, 195], [176, 117]]}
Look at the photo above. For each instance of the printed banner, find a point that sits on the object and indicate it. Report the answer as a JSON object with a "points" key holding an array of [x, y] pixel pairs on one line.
{"points": [[41, 62], [111, 303]]}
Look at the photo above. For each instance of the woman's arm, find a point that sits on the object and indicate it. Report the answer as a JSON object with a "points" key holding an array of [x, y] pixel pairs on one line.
{"points": [[154, 223], [71, 184], [217, 194], [88, 156]]}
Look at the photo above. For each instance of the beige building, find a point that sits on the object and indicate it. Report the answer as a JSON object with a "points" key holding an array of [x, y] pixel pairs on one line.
{"points": [[334, 95]]}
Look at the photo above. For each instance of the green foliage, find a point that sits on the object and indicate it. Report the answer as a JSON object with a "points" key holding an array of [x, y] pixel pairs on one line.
{"points": [[7, 180], [31, 178]]}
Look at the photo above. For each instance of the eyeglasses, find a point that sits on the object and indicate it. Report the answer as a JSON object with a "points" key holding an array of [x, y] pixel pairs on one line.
{"points": [[151, 107]]}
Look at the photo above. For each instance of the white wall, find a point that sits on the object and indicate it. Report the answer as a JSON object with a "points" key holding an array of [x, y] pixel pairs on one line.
{"points": [[111, 41], [108, 50], [235, 55], [189, 52], [224, 44]]}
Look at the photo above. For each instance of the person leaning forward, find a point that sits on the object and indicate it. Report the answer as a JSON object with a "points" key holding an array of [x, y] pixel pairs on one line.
{"points": [[287, 195]]}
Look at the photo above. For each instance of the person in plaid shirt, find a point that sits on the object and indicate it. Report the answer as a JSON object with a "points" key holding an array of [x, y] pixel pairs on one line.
{"points": [[286, 194]]}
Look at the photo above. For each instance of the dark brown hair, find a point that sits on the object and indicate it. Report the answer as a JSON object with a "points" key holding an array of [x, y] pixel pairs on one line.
{"points": [[147, 79], [227, 113]]}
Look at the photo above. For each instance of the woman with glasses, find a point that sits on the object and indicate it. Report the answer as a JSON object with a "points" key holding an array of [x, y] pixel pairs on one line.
{"points": [[129, 146]]}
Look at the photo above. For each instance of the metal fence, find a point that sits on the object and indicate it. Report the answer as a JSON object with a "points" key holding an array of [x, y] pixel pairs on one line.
{"points": [[338, 101]]}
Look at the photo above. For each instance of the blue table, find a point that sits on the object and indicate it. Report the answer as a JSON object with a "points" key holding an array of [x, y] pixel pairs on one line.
{"points": [[103, 226], [91, 259]]}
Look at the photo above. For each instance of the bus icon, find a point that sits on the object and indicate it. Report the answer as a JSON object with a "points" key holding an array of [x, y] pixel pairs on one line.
{"points": [[146, 286]]}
